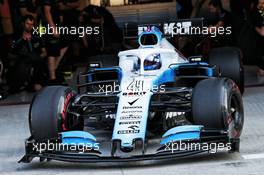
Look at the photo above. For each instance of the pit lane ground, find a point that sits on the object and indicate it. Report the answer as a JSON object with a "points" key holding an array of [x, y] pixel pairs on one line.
{"points": [[14, 130]]}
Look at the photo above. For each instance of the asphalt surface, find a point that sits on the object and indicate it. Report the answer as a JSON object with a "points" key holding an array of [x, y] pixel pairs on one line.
{"points": [[14, 130]]}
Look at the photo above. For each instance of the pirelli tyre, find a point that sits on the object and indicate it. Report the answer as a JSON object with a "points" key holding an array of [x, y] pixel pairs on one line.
{"points": [[217, 104], [229, 60], [48, 114]]}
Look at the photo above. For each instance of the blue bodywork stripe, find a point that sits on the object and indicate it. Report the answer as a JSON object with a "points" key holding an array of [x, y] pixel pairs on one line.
{"points": [[181, 137], [91, 72], [167, 76], [184, 128], [77, 137], [210, 72], [189, 64], [77, 141], [185, 132]]}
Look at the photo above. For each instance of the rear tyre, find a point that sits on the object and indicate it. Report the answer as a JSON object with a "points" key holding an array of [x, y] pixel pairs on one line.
{"points": [[48, 113], [217, 104], [229, 60]]}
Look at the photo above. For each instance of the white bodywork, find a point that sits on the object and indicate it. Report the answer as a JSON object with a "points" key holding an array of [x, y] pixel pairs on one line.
{"points": [[137, 86], [169, 55]]}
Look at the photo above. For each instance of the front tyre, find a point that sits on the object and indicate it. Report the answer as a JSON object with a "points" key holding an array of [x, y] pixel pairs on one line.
{"points": [[217, 104], [48, 114]]}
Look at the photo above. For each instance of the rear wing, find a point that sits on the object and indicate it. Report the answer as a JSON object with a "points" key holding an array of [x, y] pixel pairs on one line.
{"points": [[181, 27]]}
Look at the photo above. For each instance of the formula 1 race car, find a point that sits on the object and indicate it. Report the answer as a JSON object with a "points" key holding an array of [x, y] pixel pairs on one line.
{"points": [[156, 104]]}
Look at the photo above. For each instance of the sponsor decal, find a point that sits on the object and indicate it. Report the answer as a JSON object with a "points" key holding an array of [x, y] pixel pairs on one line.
{"points": [[134, 130], [130, 123], [134, 93], [133, 127], [128, 132], [136, 86], [132, 107], [130, 117], [181, 28], [132, 102], [127, 112], [64, 109]]}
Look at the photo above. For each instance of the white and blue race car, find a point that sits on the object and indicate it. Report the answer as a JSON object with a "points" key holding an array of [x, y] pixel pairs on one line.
{"points": [[156, 104]]}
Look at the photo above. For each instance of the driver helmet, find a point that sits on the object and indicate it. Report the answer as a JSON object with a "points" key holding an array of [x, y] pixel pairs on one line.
{"points": [[152, 62]]}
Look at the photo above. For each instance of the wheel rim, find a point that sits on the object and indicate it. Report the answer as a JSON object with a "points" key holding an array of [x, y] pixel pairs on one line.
{"points": [[237, 117]]}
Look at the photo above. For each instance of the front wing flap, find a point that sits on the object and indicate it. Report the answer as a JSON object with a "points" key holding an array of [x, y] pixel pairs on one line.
{"points": [[164, 151]]}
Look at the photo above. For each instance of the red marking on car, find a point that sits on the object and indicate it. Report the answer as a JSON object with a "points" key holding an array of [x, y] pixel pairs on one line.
{"points": [[234, 85], [235, 133], [229, 119], [65, 105]]}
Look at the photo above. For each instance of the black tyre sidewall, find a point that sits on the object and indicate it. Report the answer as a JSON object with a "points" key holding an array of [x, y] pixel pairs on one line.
{"points": [[211, 103], [229, 60], [46, 112]]}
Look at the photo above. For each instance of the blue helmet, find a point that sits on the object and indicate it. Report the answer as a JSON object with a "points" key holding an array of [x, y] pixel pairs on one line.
{"points": [[152, 62]]}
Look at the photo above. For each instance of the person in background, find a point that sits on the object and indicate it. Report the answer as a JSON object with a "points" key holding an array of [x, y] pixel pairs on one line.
{"points": [[1, 56], [7, 27], [70, 15], [109, 39], [260, 18], [27, 69], [258, 23], [1, 34], [185, 9], [24, 7], [241, 11], [243, 30], [29, 7], [217, 16], [55, 46]]}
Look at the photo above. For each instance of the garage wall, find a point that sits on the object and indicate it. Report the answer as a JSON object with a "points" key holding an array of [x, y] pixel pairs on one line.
{"points": [[116, 2], [144, 13], [95, 2]]}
